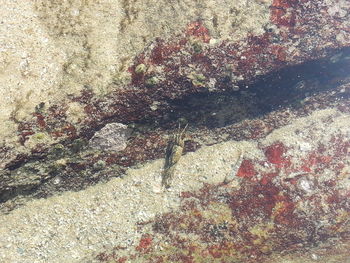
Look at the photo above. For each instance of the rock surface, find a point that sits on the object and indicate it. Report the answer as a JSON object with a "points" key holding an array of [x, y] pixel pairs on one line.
{"points": [[106, 69], [290, 192], [91, 91], [112, 137]]}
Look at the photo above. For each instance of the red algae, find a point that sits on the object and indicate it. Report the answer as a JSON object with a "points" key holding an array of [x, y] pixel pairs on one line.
{"points": [[267, 178], [263, 216], [265, 212], [283, 201], [122, 260], [144, 244], [262, 55], [246, 170], [198, 30], [40, 120], [275, 154]]}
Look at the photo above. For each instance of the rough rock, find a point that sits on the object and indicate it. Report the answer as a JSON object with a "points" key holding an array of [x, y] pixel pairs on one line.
{"points": [[112, 137], [209, 47], [283, 200], [263, 87]]}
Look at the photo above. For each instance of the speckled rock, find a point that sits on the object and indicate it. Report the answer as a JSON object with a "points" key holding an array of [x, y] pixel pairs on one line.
{"points": [[283, 203], [263, 86], [112, 137], [187, 48]]}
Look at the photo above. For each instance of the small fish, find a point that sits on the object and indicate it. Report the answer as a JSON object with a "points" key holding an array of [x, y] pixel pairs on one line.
{"points": [[173, 154], [235, 167]]}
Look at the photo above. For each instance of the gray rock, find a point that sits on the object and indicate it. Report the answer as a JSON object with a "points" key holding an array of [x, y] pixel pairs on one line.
{"points": [[112, 137]]}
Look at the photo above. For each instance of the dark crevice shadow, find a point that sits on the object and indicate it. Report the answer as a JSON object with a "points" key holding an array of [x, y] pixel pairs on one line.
{"points": [[288, 87]]}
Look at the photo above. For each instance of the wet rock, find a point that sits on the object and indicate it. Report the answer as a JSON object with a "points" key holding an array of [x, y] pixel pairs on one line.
{"points": [[235, 72], [228, 49], [112, 137]]}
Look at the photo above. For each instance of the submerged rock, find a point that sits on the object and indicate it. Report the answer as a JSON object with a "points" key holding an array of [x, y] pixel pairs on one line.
{"points": [[264, 89], [112, 137]]}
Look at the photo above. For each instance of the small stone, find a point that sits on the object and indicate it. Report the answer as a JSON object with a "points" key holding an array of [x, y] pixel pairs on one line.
{"points": [[154, 105], [305, 185], [305, 147], [213, 41], [99, 165], [112, 137], [61, 162], [140, 68], [57, 180]]}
